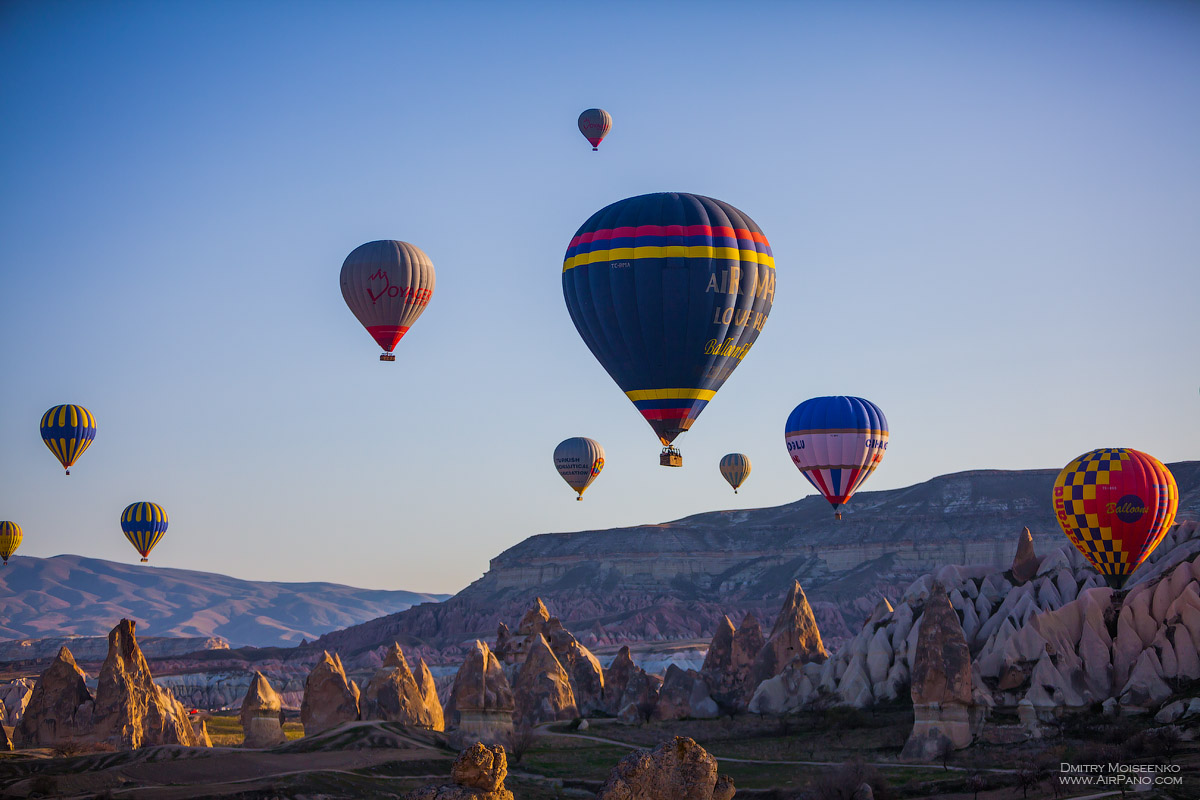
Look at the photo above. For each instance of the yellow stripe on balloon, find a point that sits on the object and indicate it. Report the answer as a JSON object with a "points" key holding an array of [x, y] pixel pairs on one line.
{"points": [[671, 394], [672, 251]]}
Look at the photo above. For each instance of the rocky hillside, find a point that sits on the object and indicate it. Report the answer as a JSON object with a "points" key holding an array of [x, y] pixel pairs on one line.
{"points": [[676, 581], [73, 595]]}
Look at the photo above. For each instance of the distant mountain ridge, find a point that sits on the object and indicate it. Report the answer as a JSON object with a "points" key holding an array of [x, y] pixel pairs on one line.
{"points": [[674, 581], [71, 595]]}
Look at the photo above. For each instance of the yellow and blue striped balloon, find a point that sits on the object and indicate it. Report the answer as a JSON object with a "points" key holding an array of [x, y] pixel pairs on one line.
{"points": [[144, 524], [10, 539], [68, 430], [735, 468]]}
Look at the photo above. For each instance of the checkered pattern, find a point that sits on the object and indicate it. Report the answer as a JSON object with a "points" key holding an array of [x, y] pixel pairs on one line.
{"points": [[1078, 482]]}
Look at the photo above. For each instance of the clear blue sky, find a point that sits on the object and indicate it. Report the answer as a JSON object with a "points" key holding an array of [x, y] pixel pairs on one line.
{"points": [[985, 217]]}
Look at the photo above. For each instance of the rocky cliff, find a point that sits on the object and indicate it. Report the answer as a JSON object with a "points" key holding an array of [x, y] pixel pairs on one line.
{"points": [[678, 580]]}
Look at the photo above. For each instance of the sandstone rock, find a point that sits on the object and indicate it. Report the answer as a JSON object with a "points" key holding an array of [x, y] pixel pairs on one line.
{"points": [[640, 697], [1025, 562], [683, 694], [429, 696], [14, 697], [481, 700], [794, 635], [330, 698], [719, 658], [262, 714], [788, 691], [200, 729], [6, 744], [504, 642], [478, 774], [583, 670], [480, 767], [393, 694], [941, 681], [535, 619], [543, 688], [616, 679], [678, 769], [1170, 712], [59, 708], [1145, 687], [131, 711]]}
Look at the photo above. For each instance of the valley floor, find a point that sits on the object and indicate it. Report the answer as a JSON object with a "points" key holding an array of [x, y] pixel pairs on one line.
{"points": [[815, 756]]}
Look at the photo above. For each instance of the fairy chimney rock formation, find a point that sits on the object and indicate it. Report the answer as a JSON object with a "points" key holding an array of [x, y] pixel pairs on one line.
{"points": [[1025, 562], [130, 710], [262, 714], [719, 658], [481, 700], [429, 696], [60, 707], [583, 669], [535, 619], [730, 660], [478, 774], [941, 682], [6, 744], [794, 635], [394, 695], [330, 698], [543, 688], [677, 768]]}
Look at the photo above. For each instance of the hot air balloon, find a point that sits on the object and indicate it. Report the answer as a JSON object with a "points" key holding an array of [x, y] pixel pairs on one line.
{"points": [[669, 291], [10, 539], [836, 443], [1115, 505], [579, 460], [144, 524], [735, 468], [387, 285], [68, 430], [594, 124]]}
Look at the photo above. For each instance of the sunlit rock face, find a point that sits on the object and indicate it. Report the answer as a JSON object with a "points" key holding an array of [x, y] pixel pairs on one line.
{"points": [[478, 774], [677, 768], [59, 707], [131, 710], [261, 714], [481, 700], [330, 698], [542, 692], [394, 694], [127, 711]]}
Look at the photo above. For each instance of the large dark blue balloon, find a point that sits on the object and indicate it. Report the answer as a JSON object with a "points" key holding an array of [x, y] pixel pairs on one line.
{"points": [[669, 291]]}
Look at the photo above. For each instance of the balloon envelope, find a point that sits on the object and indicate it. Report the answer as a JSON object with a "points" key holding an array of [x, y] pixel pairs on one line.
{"points": [[735, 468], [144, 524], [579, 460], [10, 539], [669, 291], [594, 124], [836, 443], [68, 430], [387, 284], [1115, 505]]}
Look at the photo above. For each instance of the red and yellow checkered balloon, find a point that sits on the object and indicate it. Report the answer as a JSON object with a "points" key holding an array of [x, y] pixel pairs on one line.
{"points": [[1115, 505]]}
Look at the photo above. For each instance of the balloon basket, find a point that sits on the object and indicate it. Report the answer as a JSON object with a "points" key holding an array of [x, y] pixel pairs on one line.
{"points": [[144, 560], [837, 515], [670, 457], [68, 472], [387, 357], [580, 498]]}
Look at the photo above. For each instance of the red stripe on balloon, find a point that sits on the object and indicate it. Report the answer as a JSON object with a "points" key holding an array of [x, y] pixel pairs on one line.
{"points": [[605, 234], [388, 336]]}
